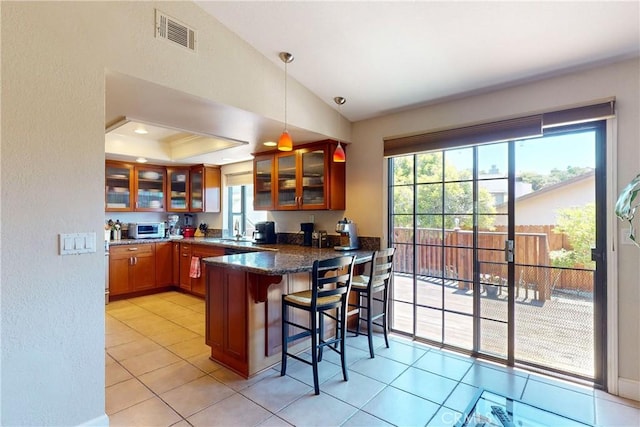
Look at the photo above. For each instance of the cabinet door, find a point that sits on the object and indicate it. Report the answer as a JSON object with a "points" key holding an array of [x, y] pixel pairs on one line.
{"points": [[178, 190], [201, 251], [263, 183], [313, 176], [164, 264], [150, 188], [119, 274], [287, 183], [142, 272], [197, 189], [185, 266], [118, 187], [176, 263]]}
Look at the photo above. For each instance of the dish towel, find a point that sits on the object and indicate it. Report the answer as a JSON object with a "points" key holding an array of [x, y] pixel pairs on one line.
{"points": [[194, 271]]}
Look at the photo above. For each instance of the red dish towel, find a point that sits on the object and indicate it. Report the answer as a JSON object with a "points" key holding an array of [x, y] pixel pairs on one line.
{"points": [[194, 271]]}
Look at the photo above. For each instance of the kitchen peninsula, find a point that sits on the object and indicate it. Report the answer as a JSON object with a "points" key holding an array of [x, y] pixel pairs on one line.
{"points": [[243, 302]]}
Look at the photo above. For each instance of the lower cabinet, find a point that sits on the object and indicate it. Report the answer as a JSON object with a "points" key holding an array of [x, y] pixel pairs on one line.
{"points": [[226, 317], [164, 264], [198, 285], [131, 268], [145, 266]]}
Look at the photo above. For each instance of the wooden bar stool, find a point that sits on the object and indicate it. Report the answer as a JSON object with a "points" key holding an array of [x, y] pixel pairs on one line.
{"points": [[370, 289], [330, 286]]}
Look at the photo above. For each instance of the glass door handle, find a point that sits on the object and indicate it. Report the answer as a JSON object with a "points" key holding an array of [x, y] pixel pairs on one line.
{"points": [[509, 250]]}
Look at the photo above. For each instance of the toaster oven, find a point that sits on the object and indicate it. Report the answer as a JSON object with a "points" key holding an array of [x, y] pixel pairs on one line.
{"points": [[146, 230]]}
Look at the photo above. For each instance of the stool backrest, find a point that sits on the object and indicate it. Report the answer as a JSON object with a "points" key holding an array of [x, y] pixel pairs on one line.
{"points": [[331, 277], [381, 267]]}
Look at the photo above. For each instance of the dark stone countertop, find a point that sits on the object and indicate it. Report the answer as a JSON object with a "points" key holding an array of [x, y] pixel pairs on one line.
{"points": [[285, 259], [272, 260]]}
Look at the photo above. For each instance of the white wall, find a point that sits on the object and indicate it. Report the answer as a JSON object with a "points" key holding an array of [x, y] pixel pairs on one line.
{"points": [[54, 57], [367, 176]]}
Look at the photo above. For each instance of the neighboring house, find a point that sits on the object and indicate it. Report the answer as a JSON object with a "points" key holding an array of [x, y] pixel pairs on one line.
{"points": [[498, 187], [541, 207]]}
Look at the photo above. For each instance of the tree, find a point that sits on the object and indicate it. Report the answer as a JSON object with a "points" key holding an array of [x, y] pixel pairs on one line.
{"points": [[579, 224], [437, 182]]}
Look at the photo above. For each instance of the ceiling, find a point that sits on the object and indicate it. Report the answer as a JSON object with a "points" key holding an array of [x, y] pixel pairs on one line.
{"points": [[385, 57]]}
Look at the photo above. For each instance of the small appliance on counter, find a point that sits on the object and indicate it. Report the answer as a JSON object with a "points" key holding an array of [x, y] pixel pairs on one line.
{"points": [[348, 235], [307, 229], [265, 232], [146, 230], [172, 225], [188, 231], [319, 239]]}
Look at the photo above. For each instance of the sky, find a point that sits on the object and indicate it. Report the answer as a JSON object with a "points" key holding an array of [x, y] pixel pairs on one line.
{"points": [[533, 155]]}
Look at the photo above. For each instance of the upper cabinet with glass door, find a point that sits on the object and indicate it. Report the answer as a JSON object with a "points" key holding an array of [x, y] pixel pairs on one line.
{"points": [[118, 186], [205, 189], [178, 195], [149, 188], [262, 182], [305, 179]]}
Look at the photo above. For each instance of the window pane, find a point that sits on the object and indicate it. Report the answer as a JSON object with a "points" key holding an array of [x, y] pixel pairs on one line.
{"points": [[402, 170], [429, 167]]}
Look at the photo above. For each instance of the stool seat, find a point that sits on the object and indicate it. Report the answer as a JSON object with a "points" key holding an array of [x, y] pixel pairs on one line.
{"points": [[306, 297]]}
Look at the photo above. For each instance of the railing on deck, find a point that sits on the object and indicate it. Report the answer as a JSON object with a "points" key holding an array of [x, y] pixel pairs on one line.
{"points": [[449, 255]]}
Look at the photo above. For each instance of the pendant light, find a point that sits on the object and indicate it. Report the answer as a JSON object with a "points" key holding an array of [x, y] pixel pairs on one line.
{"points": [[339, 155], [284, 142]]}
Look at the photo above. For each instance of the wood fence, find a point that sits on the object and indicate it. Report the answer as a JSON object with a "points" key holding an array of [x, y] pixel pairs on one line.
{"points": [[449, 254]]}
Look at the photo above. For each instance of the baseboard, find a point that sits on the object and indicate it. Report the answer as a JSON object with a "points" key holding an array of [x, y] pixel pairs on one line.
{"points": [[629, 389], [101, 421]]}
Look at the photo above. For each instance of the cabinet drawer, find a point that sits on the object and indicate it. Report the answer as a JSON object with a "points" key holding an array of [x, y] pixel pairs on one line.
{"points": [[131, 250]]}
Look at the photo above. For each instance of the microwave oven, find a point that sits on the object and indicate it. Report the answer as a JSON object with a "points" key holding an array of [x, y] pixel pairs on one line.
{"points": [[146, 230]]}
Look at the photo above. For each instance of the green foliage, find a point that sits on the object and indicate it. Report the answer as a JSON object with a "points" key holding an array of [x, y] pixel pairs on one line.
{"points": [[579, 224], [436, 182], [555, 176]]}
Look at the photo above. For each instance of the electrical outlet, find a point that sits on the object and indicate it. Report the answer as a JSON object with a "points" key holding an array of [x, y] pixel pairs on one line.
{"points": [[626, 238]]}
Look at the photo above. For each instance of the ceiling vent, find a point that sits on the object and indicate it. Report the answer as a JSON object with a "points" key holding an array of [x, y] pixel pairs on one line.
{"points": [[175, 31]]}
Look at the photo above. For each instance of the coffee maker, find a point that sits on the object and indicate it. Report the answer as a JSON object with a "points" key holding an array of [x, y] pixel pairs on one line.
{"points": [[265, 232], [348, 235], [307, 229]]}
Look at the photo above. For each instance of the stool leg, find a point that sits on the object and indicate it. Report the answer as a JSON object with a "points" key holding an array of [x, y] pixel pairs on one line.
{"points": [[343, 334], [385, 303], [285, 338], [314, 352], [321, 337], [370, 323], [359, 313]]}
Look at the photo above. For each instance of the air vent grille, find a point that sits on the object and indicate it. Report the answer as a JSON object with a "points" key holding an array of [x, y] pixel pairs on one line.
{"points": [[175, 31]]}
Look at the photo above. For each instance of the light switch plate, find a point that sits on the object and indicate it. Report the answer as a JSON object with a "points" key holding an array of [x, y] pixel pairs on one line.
{"points": [[77, 243]]}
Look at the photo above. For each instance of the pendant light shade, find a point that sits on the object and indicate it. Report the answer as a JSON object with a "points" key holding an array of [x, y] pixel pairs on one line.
{"points": [[339, 155], [284, 142]]}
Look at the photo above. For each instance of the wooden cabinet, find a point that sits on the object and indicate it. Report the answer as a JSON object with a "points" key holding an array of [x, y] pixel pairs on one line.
{"points": [[263, 174], [185, 266], [178, 191], [195, 285], [148, 188], [205, 186], [164, 264], [131, 268], [198, 285], [131, 187], [303, 179], [226, 318]]}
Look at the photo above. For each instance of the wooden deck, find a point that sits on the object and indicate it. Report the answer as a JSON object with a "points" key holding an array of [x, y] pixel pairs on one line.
{"points": [[557, 333]]}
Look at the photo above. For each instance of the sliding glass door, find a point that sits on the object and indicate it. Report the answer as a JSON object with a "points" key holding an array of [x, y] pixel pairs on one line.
{"points": [[493, 249]]}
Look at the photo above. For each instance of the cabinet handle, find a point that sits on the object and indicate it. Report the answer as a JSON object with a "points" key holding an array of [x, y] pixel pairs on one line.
{"points": [[135, 260], [133, 249]]}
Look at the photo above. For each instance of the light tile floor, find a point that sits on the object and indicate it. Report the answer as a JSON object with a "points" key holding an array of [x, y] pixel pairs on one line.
{"points": [[158, 374]]}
